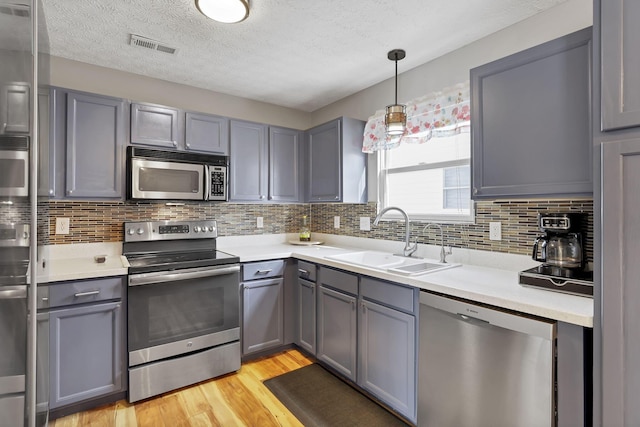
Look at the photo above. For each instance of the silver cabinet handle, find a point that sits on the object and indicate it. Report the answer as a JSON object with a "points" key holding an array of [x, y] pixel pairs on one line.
{"points": [[86, 294], [188, 145], [261, 197], [175, 143], [263, 271], [45, 299], [303, 272]]}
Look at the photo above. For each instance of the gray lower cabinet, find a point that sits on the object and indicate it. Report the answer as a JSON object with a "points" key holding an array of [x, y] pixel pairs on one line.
{"points": [[387, 336], [531, 132], [206, 133], [264, 163], [336, 165], [307, 307], [262, 306], [86, 340], [337, 321], [14, 108], [620, 56], [155, 125]]}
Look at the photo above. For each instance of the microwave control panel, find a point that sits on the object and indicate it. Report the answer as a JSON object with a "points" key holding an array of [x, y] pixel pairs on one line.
{"points": [[218, 183]]}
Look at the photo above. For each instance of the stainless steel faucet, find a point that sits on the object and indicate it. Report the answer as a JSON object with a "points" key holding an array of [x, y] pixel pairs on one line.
{"points": [[443, 252], [409, 249]]}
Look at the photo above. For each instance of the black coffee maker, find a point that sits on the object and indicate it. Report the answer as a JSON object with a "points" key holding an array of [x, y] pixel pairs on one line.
{"points": [[560, 249], [561, 244]]}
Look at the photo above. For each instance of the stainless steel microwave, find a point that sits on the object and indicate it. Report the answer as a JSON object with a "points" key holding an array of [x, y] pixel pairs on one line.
{"points": [[14, 166], [175, 175]]}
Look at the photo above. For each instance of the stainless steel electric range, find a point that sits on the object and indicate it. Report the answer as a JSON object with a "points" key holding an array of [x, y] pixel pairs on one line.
{"points": [[183, 306]]}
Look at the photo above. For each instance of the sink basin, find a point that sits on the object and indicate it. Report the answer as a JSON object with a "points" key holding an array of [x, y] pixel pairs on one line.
{"points": [[407, 266], [373, 259]]}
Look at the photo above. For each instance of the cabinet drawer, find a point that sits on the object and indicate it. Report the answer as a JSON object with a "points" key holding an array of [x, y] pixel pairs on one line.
{"points": [[262, 270], [307, 270], [83, 291], [389, 294], [339, 280]]}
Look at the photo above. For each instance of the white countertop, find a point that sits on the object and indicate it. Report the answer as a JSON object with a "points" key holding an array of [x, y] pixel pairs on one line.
{"points": [[486, 277], [495, 284]]}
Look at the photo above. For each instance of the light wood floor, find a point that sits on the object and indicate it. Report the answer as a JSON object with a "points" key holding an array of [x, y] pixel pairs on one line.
{"points": [[238, 399]]}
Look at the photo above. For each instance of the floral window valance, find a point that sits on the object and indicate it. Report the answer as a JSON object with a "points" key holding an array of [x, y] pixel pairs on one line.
{"points": [[437, 115]]}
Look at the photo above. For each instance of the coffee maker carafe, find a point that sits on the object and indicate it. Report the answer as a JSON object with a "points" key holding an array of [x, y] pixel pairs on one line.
{"points": [[561, 243]]}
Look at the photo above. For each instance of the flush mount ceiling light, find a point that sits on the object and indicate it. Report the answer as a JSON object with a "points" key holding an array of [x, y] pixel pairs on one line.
{"points": [[395, 118], [227, 11]]}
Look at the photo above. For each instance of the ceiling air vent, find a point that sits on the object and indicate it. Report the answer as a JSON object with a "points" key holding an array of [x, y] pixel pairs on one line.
{"points": [[140, 41], [21, 10]]}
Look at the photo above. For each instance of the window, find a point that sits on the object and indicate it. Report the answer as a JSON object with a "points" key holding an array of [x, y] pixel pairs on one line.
{"points": [[429, 181]]}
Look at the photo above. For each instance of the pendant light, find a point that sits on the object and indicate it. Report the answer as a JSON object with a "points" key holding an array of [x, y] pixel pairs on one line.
{"points": [[226, 11], [395, 118]]}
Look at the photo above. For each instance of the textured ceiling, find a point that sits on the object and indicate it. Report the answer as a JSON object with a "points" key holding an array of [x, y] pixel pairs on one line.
{"points": [[301, 54]]}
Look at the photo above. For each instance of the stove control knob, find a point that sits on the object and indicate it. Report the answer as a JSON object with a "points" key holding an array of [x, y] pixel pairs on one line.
{"points": [[130, 232], [196, 229], [140, 231], [211, 228]]}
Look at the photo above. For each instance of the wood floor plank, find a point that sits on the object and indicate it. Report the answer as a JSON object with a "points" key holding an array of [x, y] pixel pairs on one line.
{"points": [[237, 399]]}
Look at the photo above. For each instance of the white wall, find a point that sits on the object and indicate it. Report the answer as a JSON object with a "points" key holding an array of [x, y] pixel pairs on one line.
{"points": [[90, 78], [454, 67]]}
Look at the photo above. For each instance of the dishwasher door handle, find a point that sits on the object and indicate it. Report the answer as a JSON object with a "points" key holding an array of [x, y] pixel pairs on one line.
{"points": [[471, 319]]}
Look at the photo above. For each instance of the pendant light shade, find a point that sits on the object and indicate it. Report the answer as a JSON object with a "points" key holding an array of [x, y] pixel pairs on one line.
{"points": [[395, 118], [226, 11]]}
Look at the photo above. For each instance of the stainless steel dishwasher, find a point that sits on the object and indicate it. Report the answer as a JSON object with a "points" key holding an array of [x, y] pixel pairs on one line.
{"points": [[483, 367]]}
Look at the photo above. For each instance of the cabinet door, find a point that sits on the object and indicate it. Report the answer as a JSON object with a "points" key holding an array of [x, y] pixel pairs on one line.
{"points": [[307, 315], [42, 363], [387, 358], [620, 304], [46, 148], [248, 158], [85, 352], [325, 160], [531, 133], [206, 133], [262, 315], [620, 81], [284, 165], [154, 125], [337, 339], [14, 108], [95, 143]]}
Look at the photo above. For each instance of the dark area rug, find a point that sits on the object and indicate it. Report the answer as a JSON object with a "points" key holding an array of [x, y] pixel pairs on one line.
{"points": [[318, 398]]}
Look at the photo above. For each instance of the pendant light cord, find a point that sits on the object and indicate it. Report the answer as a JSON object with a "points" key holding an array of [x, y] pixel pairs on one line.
{"points": [[396, 55]]}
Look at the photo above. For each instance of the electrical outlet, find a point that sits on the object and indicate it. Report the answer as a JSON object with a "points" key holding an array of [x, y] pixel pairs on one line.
{"points": [[62, 225], [259, 222], [495, 231], [365, 223], [336, 222]]}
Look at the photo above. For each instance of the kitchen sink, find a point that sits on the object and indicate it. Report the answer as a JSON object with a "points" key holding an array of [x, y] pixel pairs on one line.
{"points": [[398, 264]]}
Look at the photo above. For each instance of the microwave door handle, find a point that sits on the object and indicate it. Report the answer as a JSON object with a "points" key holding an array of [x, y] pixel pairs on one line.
{"points": [[207, 182], [164, 277]]}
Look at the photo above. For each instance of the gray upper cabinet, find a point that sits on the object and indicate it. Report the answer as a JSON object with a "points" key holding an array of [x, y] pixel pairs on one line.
{"points": [[206, 133], [46, 151], [154, 125], [620, 79], [14, 108], [248, 161], [265, 163], [336, 165], [531, 122], [95, 140], [284, 164]]}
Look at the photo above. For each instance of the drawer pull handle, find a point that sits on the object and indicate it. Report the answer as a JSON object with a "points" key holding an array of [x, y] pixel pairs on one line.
{"points": [[45, 299], [263, 271], [86, 294], [303, 272]]}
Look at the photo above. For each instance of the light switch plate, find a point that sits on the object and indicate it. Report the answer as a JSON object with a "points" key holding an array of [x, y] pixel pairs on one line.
{"points": [[259, 222], [365, 223], [495, 231], [336, 222], [62, 225]]}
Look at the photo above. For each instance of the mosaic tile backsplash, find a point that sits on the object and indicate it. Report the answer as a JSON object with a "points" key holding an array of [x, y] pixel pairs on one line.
{"points": [[95, 221]]}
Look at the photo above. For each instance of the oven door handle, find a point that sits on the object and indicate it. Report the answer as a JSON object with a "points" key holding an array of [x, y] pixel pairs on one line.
{"points": [[165, 276], [13, 292]]}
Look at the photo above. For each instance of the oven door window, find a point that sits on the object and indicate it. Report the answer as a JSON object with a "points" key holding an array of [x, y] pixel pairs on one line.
{"points": [[162, 313]]}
